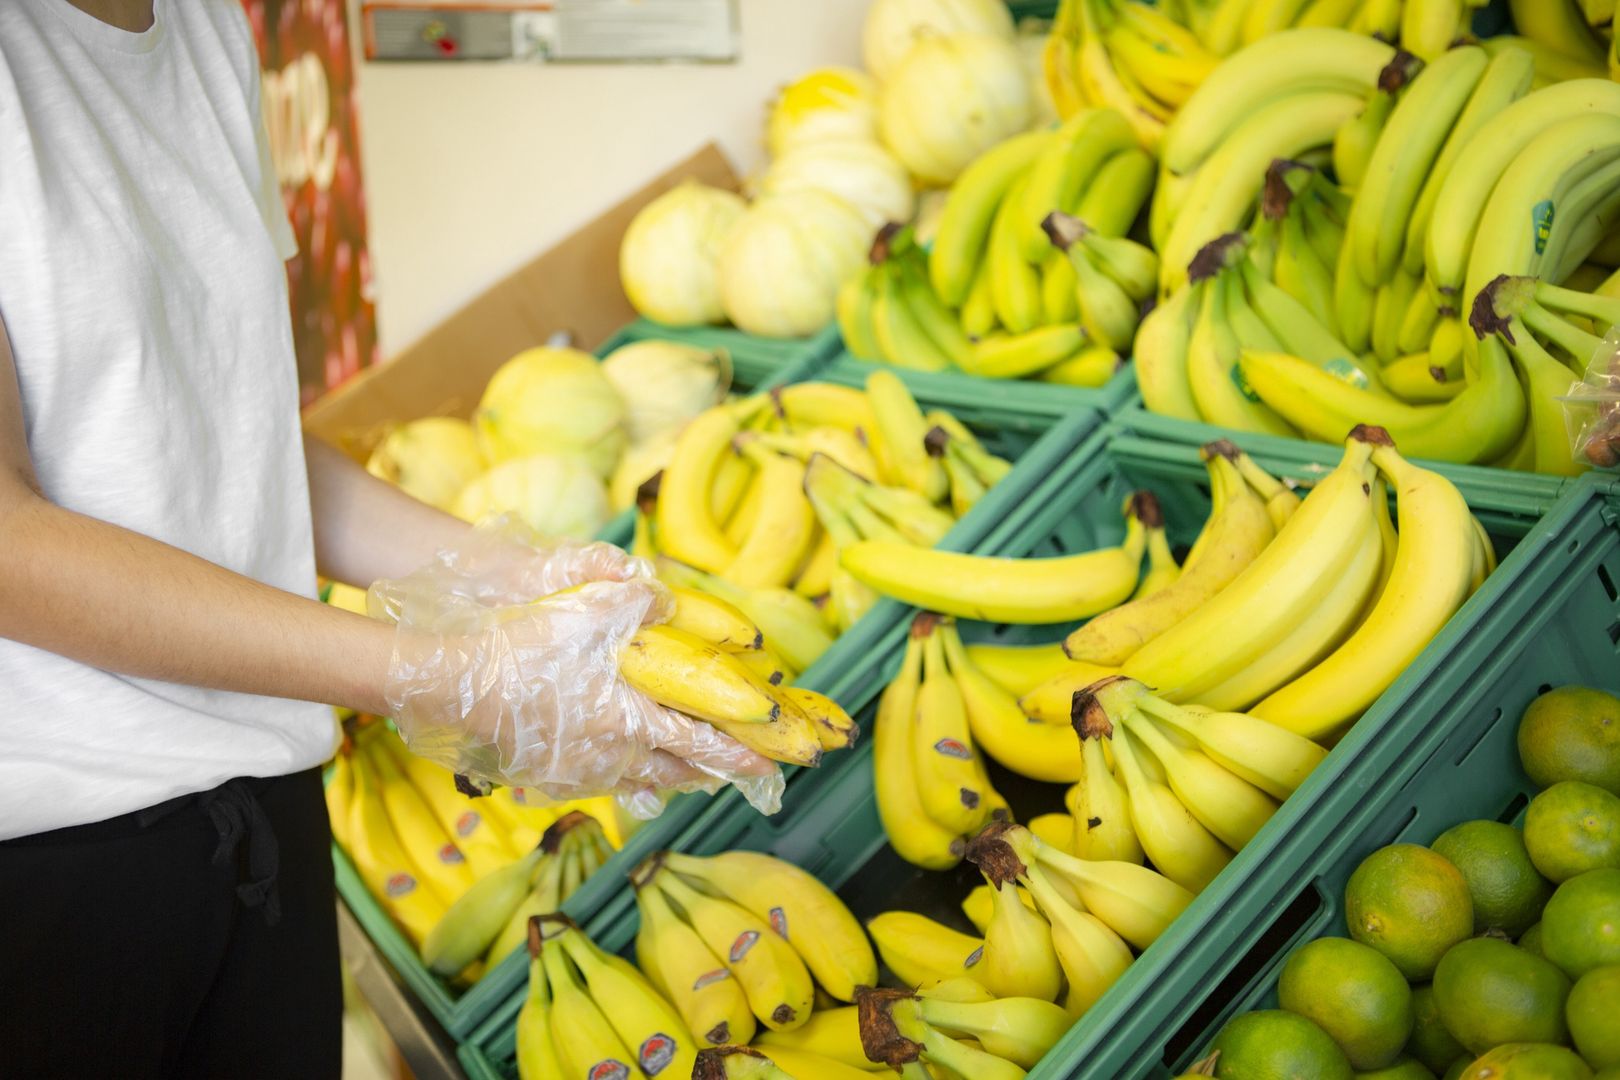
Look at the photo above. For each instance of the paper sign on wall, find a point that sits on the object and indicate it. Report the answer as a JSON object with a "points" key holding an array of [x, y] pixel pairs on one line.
{"points": [[558, 31]]}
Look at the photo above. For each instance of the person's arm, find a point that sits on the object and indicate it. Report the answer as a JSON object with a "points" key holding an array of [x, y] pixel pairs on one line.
{"points": [[117, 600], [366, 528]]}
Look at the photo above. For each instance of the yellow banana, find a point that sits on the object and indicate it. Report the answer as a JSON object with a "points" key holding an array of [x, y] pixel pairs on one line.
{"points": [[687, 526], [950, 782], [1236, 536], [791, 624], [1018, 1029], [855, 303], [902, 430], [479, 839], [1013, 356], [382, 862], [834, 1034], [920, 951], [1162, 341], [1018, 957], [1064, 170], [1018, 668], [784, 528], [1002, 589], [1118, 192], [585, 1042], [1040, 751], [770, 972], [714, 620], [1092, 956], [536, 1053], [798, 907], [912, 834], [649, 1027], [1100, 806], [1267, 755], [1015, 284], [1231, 808], [438, 861], [711, 1002]]}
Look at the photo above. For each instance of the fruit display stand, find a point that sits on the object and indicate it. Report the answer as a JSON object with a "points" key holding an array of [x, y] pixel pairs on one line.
{"points": [[1549, 617], [1014, 396], [829, 821]]}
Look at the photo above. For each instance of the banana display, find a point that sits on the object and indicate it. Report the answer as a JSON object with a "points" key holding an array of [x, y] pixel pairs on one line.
{"points": [[1029, 274], [460, 876], [1363, 298], [1300, 612], [762, 494]]}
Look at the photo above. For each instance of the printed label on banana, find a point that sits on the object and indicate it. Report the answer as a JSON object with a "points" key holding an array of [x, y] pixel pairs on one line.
{"points": [[401, 884], [656, 1052], [779, 922], [609, 1070], [953, 748], [1541, 221], [467, 823], [450, 855]]}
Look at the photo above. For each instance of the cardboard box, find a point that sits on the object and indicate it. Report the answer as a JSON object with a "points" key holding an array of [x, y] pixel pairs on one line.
{"points": [[573, 287]]}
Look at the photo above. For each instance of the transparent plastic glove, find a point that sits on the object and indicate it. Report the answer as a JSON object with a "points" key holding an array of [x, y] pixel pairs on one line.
{"points": [[505, 669], [1592, 408]]}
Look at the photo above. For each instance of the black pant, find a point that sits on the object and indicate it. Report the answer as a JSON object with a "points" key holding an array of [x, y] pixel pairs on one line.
{"points": [[194, 939]]}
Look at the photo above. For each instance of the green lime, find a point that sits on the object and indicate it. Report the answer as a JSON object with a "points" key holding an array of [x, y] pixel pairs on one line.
{"points": [[1530, 940], [1403, 1069], [1431, 1043], [1490, 993], [1591, 1012], [1580, 930], [1507, 891], [1610, 1073], [1571, 828], [1458, 1067], [1354, 993], [1528, 1061], [1410, 904], [1572, 733], [1278, 1045]]}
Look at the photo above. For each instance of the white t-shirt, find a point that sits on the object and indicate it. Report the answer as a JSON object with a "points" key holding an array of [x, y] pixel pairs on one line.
{"points": [[141, 281]]}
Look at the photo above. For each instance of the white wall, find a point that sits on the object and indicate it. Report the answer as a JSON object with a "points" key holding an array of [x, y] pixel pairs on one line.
{"points": [[472, 169]]}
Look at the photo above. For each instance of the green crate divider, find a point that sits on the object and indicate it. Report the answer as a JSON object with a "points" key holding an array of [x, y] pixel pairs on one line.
{"points": [[1012, 396], [1040, 444], [1553, 619], [829, 822]]}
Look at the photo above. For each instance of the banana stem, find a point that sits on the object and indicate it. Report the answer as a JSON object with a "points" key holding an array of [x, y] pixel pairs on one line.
{"points": [[1580, 345], [1603, 309]]}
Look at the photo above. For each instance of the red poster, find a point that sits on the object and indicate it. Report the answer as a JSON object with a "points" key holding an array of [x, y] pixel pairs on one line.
{"points": [[310, 108]]}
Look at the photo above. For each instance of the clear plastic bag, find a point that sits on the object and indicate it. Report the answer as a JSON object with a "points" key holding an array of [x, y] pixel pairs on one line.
{"points": [[505, 669], [1592, 408]]}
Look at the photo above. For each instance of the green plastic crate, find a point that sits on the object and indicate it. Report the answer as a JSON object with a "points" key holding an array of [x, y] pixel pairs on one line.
{"points": [[1012, 396], [1040, 444], [829, 822], [1553, 619]]}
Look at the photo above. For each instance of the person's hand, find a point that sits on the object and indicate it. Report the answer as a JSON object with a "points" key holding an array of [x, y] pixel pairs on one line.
{"points": [[505, 668]]}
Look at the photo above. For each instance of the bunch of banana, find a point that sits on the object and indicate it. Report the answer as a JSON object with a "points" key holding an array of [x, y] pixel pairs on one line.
{"points": [[994, 1039], [931, 786], [1135, 58], [454, 872], [1189, 806], [1284, 96], [762, 493], [590, 1013], [1016, 298], [1547, 330], [711, 681], [491, 918], [743, 939], [1569, 39]]}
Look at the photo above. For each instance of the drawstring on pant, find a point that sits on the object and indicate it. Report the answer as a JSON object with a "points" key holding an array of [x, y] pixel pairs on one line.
{"points": [[234, 810]]}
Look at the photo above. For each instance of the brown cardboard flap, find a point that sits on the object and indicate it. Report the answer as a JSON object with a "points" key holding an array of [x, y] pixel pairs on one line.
{"points": [[574, 286]]}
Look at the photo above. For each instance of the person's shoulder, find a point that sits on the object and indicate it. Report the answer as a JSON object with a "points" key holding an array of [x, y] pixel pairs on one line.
{"points": [[227, 22]]}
